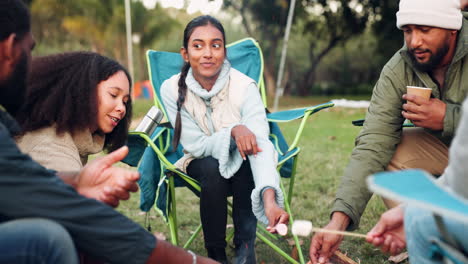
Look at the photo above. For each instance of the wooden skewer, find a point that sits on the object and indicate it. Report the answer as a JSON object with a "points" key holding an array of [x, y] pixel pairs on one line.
{"points": [[344, 233]]}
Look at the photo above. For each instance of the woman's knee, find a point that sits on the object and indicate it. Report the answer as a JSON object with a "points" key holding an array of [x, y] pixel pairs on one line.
{"points": [[207, 170]]}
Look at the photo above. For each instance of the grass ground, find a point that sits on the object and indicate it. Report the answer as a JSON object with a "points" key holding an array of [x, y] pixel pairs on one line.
{"points": [[326, 146]]}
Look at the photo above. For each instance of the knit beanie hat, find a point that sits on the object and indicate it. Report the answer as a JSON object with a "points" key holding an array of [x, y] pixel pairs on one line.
{"points": [[434, 13]]}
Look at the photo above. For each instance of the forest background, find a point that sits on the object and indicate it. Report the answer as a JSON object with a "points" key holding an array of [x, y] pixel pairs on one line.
{"points": [[336, 47]]}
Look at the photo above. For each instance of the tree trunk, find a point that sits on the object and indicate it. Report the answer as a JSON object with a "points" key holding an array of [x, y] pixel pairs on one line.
{"points": [[270, 81], [309, 76]]}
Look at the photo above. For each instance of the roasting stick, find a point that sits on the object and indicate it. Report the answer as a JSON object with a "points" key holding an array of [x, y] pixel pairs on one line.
{"points": [[305, 228], [336, 232]]}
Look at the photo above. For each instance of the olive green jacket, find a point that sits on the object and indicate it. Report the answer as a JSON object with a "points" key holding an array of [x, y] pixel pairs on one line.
{"points": [[377, 141]]}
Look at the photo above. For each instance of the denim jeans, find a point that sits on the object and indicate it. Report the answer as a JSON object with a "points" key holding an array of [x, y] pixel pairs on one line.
{"points": [[35, 240], [420, 227], [213, 202]]}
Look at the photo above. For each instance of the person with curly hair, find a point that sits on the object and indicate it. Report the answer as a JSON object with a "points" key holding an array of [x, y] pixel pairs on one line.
{"points": [[46, 215], [77, 104]]}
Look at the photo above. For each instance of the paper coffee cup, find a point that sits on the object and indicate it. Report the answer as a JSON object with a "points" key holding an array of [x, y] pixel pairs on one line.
{"points": [[419, 91]]}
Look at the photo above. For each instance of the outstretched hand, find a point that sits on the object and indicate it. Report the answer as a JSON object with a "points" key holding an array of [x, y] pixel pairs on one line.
{"points": [[425, 113], [99, 180], [275, 214], [388, 233], [245, 140], [323, 245]]}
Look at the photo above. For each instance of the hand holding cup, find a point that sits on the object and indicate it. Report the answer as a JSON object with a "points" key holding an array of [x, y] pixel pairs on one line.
{"points": [[418, 91]]}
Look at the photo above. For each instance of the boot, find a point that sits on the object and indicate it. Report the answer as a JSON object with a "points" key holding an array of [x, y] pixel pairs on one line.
{"points": [[245, 253], [218, 254]]}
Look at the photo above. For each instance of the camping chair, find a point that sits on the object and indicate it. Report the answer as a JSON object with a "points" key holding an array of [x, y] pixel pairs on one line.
{"points": [[159, 176], [431, 196], [360, 122]]}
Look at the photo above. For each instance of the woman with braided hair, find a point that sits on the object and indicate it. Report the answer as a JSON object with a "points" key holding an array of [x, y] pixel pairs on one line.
{"points": [[221, 123]]}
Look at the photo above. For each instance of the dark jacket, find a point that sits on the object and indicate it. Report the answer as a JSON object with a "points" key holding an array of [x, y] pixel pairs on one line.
{"points": [[29, 190]]}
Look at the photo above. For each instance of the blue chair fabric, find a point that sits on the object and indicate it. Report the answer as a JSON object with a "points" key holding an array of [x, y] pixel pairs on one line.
{"points": [[400, 186]]}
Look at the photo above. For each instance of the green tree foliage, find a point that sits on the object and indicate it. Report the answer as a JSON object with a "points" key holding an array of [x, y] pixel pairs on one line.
{"points": [[265, 21], [389, 37], [65, 25], [327, 25], [336, 46], [322, 24]]}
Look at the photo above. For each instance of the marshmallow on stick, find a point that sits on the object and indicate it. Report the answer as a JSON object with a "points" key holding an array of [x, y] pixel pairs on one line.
{"points": [[305, 228], [282, 229]]}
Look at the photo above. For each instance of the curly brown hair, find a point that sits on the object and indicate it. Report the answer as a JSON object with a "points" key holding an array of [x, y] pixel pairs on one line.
{"points": [[62, 91]]}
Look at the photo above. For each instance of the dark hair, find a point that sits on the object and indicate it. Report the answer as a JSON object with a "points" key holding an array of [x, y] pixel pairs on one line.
{"points": [[191, 26], [14, 18], [62, 91]]}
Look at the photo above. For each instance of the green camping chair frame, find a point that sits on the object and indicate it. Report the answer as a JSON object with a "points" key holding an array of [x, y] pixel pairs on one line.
{"points": [[160, 141]]}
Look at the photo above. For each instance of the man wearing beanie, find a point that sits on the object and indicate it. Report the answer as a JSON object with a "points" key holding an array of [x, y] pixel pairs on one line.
{"points": [[434, 56]]}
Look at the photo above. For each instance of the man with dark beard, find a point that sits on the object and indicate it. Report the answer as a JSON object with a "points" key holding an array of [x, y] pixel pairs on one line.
{"points": [[434, 56], [45, 216]]}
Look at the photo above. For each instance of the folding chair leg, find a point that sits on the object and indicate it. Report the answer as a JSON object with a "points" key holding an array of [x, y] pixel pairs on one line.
{"points": [[276, 248], [262, 228], [192, 237], [291, 220], [172, 217], [292, 180]]}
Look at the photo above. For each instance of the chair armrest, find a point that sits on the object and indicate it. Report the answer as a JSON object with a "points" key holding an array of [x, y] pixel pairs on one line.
{"points": [[137, 142], [429, 194], [360, 122], [440, 249], [294, 114]]}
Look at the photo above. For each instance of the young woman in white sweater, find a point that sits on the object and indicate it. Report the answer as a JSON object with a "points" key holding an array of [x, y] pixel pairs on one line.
{"points": [[221, 123]]}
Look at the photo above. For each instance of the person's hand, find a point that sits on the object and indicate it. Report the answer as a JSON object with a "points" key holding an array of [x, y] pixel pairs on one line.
{"points": [[323, 245], [424, 113], [274, 213], [245, 140], [388, 233], [99, 180]]}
